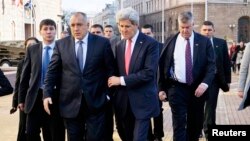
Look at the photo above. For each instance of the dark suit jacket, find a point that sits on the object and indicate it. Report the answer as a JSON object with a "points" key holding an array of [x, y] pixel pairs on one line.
{"points": [[141, 89], [5, 86], [223, 64], [31, 77], [203, 61], [114, 42], [18, 76], [91, 83]]}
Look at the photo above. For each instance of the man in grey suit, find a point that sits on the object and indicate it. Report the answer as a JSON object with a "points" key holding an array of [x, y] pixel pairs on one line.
{"points": [[187, 68], [84, 62], [223, 74]]}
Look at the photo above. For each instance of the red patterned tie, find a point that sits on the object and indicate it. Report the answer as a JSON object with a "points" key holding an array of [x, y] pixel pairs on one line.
{"points": [[128, 56], [189, 65]]}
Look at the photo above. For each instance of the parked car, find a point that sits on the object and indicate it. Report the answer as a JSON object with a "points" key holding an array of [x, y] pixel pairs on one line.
{"points": [[11, 52]]}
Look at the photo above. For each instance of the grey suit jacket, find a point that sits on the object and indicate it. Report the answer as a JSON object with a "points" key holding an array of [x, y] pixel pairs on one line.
{"points": [[244, 78], [75, 85]]}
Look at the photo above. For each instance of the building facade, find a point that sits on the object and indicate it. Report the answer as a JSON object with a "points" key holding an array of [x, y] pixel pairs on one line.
{"points": [[20, 18], [230, 17]]}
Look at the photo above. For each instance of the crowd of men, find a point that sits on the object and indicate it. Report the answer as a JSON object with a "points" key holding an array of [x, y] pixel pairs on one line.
{"points": [[81, 81]]}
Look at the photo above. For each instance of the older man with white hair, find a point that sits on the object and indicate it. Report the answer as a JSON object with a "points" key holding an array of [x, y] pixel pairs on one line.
{"points": [[136, 99]]}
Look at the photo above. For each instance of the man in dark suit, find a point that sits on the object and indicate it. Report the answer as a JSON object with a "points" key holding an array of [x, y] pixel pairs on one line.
{"points": [[109, 33], [187, 68], [5, 86], [158, 133], [84, 62], [32, 86], [136, 100], [222, 77]]}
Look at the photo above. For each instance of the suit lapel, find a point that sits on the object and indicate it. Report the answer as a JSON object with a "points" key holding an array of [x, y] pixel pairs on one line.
{"points": [[195, 48], [40, 57], [72, 52], [90, 47], [122, 48], [137, 48]]}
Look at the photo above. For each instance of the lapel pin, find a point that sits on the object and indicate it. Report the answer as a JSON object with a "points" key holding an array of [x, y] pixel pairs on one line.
{"points": [[196, 44]]}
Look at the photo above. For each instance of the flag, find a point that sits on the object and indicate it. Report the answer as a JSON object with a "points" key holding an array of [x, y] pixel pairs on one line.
{"points": [[19, 3]]}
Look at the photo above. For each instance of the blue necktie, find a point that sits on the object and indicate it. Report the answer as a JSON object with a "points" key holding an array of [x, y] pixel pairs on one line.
{"points": [[189, 65], [79, 55], [46, 60]]}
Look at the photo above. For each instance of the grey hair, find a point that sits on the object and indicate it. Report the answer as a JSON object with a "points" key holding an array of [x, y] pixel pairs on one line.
{"points": [[128, 14], [80, 13], [185, 17]]}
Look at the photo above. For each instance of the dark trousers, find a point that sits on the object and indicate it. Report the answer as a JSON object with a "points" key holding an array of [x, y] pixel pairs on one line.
{"points": [[37, 119], [52, 125], [21, 136], [158, 126], [109, 122], [187, 112], [210, 107], [132, 129], [86, 126]]}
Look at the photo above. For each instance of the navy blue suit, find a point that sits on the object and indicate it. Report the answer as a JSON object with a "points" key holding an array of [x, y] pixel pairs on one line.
{"points": [[138, 100], [83, 94], [5, 86], [187, 109]]}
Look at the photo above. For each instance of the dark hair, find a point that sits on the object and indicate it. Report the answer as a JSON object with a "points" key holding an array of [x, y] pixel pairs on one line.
{"points": [[47, 22], [97, 26], [208, 23], [108, 26], [148, 26], [28, 39]]}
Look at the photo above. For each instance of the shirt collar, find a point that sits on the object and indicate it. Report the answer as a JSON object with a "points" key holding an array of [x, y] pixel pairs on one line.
{"points": [[85, 39], [52, 45], [191, 38], [135, 36]]}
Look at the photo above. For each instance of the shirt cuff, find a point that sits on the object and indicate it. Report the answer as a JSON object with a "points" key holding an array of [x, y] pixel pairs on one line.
{"points": [[205, 85], [122, 81]]}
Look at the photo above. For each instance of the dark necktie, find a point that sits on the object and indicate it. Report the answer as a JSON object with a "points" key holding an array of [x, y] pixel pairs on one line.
{"points": [[128, 56], [189, 65], [46, 60], [79, 55]]}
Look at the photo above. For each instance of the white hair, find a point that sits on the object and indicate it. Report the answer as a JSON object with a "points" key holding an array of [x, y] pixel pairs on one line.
{"points": [[128, 14]]}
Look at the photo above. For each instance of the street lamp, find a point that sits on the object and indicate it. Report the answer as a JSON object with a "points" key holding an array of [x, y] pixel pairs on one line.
{"points": [[231, 26]]}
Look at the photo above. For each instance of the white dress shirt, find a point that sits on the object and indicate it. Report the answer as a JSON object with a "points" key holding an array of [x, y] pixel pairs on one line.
{"points": [[84, 47], [179, 57], [132, 48]]}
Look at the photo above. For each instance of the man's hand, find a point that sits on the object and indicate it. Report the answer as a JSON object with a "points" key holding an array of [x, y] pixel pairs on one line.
{"points": [[162, 96], [200, 90], [21, 106], [13, 110], [114, 81], [240, 94], [46, 103]]}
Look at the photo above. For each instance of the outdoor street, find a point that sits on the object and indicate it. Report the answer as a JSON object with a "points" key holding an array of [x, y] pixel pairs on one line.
{"points": [[226, 113]]}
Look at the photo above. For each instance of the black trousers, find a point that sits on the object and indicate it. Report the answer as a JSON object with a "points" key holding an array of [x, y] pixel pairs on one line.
{"points": [[52, 125], [21, 135], [157, 132], [210, 107], [109, 121], [187, 112]]}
